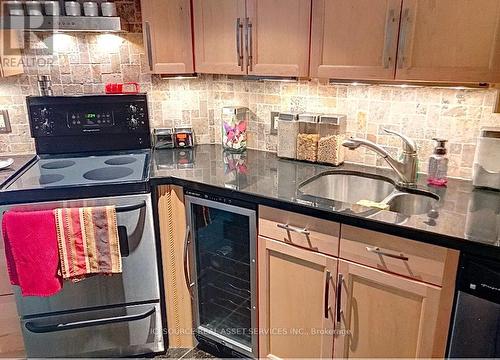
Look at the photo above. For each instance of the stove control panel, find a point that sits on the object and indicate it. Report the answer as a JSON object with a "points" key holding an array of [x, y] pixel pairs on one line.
{"points": [[89, 123], [62, 116]]}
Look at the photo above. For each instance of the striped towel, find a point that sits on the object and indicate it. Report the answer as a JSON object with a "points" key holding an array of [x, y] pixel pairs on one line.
{"points": [[88, 242]]}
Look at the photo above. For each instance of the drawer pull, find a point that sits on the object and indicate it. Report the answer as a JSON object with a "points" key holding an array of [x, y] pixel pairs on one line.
{"points": [[327, 293], [287, 227], [338, 309], [376, 250]]}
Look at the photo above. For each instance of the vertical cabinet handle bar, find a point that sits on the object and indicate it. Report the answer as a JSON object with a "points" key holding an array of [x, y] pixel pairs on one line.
{"points": [[187, 275], [238, 44], [148, 45], [327, 294], [250, 45], [405, 23], [377, 251], [338, 309], [247, 50], [389, 31]]}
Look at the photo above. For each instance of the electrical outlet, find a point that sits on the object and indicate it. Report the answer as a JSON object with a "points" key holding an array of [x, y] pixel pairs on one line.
{"points": [[274, 122], [4, 122]]}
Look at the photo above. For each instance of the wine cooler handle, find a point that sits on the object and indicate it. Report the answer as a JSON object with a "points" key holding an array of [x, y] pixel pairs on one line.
{"points": [[187, 274]]}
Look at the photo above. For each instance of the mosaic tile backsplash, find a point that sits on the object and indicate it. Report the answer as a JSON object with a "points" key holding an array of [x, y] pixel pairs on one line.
{"points": [[82, 64]]}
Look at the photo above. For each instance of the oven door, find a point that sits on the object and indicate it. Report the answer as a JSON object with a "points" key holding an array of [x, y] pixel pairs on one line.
{"points": [[137, 284], [118, 331]]}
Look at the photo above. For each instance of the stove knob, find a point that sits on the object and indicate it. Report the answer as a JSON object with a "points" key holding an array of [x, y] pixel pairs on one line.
{"points": [[133, 122], [133, 109]]}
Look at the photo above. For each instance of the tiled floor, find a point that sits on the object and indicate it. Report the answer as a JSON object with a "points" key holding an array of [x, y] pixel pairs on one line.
{"points": [[195, 353]]}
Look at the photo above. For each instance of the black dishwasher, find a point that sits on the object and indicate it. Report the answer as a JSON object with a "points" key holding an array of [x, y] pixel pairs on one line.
{"points": [[220, 271], [476, 324]]}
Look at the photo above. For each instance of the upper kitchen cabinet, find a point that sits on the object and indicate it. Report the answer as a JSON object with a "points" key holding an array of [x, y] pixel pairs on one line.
{"points": [[254, 37], [218, 34], [278, 37], [450, 41], [354, 39], [168, 36]]}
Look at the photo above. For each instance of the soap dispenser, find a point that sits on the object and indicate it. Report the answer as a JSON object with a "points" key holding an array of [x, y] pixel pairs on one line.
{"points": [[438, 164]]}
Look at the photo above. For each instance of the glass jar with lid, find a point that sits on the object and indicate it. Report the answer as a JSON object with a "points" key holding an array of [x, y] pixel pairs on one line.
{"points": [[308, 137], [234, 125], [288, 129], [331, 129]]}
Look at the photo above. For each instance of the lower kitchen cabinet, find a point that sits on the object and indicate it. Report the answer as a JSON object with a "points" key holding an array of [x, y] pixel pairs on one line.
{"points": [[296, 301], [172, 225], [11, 339], [387, 316]]}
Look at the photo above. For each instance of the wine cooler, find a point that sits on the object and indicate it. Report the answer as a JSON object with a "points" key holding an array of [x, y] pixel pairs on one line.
{"points": [[220, 271]]}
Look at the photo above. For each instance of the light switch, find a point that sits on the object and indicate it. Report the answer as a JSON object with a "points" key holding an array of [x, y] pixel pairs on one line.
{"points": [[4, 122]]}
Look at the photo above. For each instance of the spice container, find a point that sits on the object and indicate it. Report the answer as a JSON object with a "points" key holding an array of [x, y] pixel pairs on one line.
{"points": [[234, 128], [183, 137], [308, 137], [288, 129], [332, 130]]}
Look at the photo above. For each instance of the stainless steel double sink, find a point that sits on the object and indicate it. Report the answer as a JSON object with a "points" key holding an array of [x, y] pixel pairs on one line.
{"points": [[351, 187]]}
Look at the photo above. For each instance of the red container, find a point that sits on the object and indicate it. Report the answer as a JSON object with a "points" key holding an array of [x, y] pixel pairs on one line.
{"points": [[125, 88]]}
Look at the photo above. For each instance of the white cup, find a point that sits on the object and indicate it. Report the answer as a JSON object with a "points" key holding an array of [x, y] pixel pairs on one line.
{"points": [[108, 9], [90, 8], [73, 8]]}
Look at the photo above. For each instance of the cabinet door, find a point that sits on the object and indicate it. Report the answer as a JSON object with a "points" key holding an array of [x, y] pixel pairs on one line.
{"points": [[354, 39], [296, 298], [218, 36], [450, 40], [277, 38], [386, 316], [172, 226], [167, 36], [11, 339]]}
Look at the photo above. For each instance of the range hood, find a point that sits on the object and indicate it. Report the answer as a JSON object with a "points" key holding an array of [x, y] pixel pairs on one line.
{"points": [[64, 23]]}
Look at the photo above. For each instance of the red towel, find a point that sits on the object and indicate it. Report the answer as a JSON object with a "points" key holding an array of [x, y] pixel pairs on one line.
{"points": [[31, 251]]}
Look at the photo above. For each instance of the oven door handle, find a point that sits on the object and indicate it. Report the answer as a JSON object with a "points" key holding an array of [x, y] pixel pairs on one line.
{"points": [[40, 329], [127, 208]]}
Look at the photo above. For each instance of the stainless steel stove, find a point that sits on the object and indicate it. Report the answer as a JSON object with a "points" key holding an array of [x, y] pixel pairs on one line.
{"points": [[93, 151]]}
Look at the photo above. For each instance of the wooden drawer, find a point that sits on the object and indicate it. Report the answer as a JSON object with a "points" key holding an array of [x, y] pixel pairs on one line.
{"points": [[301, 230], [11, 339], [5, 287], [420, 261]]}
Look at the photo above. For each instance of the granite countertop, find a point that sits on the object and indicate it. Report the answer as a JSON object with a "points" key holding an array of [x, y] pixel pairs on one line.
{"points": [[464, 218], [19, 162]]}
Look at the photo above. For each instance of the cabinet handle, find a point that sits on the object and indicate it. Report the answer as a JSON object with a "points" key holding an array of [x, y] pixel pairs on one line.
{"points": [[405, 22], [187, 275], [388, 38], [238, 43], [287, 227], [148, 45], [249, 45], [376, 250], [338, 309], [327, 294]]}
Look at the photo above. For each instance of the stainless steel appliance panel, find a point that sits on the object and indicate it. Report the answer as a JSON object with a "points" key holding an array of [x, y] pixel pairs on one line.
{"points": [[119, 331], [139, 280]]}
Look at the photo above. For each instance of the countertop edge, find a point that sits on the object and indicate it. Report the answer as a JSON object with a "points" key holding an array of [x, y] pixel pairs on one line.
{"points": [[448, 241]]}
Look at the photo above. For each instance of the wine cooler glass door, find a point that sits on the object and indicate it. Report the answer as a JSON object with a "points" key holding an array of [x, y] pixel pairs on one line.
{"points": [[223, 239]]}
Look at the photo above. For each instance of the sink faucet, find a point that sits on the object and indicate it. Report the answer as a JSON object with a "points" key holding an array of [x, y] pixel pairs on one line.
{"points": [[406, 169]]}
